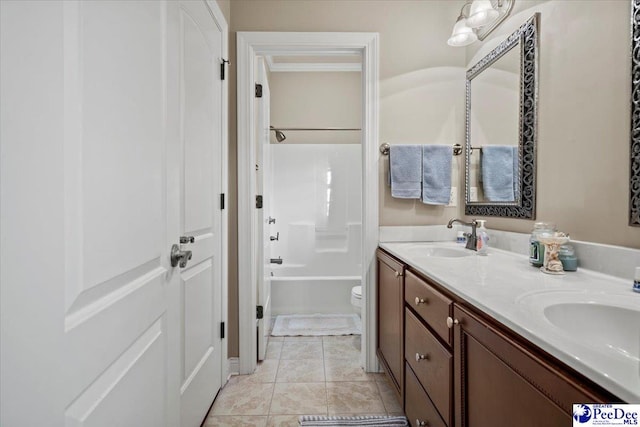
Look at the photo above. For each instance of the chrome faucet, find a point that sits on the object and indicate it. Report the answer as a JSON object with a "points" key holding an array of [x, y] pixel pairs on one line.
{"points": [[472, 238]]}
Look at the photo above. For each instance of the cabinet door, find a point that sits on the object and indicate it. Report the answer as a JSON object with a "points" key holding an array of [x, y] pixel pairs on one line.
{"points": [[501, 382], [391, 317]]}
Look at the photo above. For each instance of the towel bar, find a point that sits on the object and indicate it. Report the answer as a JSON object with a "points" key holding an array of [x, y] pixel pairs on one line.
{"points": [[384, 149]]}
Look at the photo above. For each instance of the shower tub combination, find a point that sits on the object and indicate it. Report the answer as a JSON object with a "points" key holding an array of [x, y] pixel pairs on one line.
{"points": [[317, 203]]}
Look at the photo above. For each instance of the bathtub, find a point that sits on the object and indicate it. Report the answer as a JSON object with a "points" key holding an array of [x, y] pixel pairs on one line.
{"points": [[292, 294]]}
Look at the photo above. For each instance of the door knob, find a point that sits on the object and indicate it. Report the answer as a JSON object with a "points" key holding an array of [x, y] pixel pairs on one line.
{"points": [[179, 257], [186, 239]]}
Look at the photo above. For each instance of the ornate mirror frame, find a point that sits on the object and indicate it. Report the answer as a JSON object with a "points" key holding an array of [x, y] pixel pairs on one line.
{"points": [[525, 207], [634, 169]]}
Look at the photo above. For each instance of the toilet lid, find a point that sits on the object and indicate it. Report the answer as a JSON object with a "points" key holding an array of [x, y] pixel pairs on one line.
{"points": [[356, 291]]}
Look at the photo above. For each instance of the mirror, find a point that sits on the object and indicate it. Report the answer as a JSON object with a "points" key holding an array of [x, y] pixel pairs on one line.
{"points": [[495, 120], [501, 118], [634, 171]]}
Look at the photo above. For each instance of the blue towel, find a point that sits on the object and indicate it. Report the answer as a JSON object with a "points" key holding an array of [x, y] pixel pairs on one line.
{"points": [[516, 173], [499, 172], [405, 171], [436, 174]]}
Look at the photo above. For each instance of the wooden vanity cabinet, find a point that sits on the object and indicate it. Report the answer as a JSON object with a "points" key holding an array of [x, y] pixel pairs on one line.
{"points": [[455, 366], [390, 333], [501, 382]]}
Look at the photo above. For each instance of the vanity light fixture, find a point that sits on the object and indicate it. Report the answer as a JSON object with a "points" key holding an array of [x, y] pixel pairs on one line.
{"points": [[482, 18]]}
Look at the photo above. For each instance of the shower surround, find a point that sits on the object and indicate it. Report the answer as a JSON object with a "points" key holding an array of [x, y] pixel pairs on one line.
{"points": [[316, 200]]}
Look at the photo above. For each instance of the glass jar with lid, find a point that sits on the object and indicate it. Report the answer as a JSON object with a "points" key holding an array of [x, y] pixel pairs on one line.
{"points": [[567, 256], [536, 249]]}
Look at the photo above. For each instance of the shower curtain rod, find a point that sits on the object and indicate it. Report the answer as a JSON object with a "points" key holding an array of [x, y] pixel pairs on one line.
{"points": [[282, 129]]}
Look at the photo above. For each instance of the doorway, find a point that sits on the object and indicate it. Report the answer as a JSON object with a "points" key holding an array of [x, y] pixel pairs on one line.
{"points": [[249, 46]]}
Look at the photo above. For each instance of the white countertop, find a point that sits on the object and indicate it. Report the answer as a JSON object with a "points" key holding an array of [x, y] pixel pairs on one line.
{"points": [[506, 287]]}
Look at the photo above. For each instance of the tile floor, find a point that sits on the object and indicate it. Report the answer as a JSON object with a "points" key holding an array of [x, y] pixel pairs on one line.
{"points": [[303, 376]]}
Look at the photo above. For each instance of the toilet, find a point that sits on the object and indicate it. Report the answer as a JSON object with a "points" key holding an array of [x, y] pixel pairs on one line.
{"points": [[356, 299]]}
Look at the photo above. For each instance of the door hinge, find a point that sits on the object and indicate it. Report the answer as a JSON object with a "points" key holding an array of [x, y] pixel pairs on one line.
{"points": [[222, 68], [222, 201], [258, 202], [259, 312], [222, 330], [258, 90]]}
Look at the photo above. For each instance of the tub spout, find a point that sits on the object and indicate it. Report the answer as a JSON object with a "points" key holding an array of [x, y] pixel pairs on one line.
{"points": [[276, 260]]}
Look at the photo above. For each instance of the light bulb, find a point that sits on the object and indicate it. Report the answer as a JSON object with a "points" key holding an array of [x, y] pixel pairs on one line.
{"points": [[481, 13], [462, 35]]}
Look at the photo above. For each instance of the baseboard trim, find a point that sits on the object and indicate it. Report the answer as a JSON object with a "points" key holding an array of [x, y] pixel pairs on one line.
{"points": [[234, 366]]}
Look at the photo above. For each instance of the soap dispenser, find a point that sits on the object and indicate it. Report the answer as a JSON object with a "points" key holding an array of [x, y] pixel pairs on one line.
{"points": [[482, 241]]}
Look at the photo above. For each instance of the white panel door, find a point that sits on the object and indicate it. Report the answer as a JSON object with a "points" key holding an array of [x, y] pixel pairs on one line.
{"points": [[115, 213], [264, 229], [105, 321], [110, 139], [201, 136]]}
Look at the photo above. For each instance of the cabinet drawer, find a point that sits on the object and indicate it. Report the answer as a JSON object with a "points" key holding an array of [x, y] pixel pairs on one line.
{"points": [[417, 406], [430, 304], [431, 362]]}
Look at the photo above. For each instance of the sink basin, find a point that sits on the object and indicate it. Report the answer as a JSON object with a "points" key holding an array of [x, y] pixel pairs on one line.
{"points": [[607, 322], [438, 251], [600, 324]]}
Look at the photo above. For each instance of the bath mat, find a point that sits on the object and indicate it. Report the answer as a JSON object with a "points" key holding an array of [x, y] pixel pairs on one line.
{"points": [[291, 325], [377, 421]]}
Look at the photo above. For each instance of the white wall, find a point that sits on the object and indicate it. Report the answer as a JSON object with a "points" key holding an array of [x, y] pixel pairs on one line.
{"points": [[316, 99]]}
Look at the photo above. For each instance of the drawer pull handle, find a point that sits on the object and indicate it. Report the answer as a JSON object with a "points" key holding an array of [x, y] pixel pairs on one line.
{"points": [[451, 322], [420, 357], [420, 300], [397, 274], [422, 423]]}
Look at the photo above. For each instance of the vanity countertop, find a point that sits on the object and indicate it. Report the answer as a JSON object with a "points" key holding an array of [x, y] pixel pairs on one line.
{"points": [[505, 286]]}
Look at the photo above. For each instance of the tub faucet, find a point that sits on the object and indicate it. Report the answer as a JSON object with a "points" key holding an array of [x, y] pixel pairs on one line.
{"points": [[276, 260], [472, 238]]}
